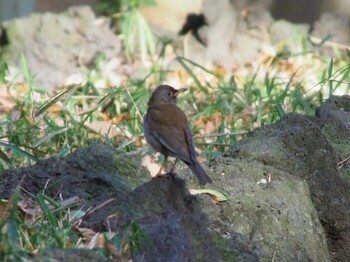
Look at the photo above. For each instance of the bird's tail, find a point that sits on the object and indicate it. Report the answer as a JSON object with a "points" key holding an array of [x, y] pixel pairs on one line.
{"points": [[200, 173]]}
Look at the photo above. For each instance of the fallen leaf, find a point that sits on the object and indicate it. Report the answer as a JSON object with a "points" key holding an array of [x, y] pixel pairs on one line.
{"points": [[216, 196], [119, 118], [87, 234], [23, 88], [220, 71], [149, 162], [56, 108], [104, 116], [138, 142]]}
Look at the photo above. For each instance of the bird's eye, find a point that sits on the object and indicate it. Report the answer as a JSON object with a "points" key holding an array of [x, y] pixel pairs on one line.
{"points": [[170, 94]]}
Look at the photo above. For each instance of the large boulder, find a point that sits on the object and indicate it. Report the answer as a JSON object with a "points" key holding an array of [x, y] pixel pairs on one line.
{"points": [[58, 46], [297, 145], [270, 207]]}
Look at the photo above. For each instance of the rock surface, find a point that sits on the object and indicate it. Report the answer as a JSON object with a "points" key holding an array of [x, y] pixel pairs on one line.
{"points": [[296, 145], [288, 200], [58, 46]]}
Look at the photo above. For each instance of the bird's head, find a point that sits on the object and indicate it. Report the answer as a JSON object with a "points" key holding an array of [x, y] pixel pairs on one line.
{"points": [[165, 94]]}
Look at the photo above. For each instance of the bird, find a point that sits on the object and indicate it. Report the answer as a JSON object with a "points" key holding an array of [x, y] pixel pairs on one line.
{"points": [[167, 131]]}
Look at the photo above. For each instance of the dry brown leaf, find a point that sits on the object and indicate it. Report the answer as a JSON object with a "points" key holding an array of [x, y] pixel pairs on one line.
{"points": [[7, 102], [210, 123], [86, 233], [100, 240], [112, 250], [122, 117], [23, 88], [220, 71], [56, 108], [104, 116], [216, 196]]}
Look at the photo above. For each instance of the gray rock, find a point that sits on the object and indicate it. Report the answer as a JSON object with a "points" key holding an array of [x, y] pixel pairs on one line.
{"points": [[277, 216], [180, 230], [335, 25], [334, 121], [85, 174], [57, 46], [71, 255], [229, 40], [292, 36], [296, 145]]}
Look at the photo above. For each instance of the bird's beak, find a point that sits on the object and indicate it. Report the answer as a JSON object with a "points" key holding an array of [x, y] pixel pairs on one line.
{"points": [[178, 91]]}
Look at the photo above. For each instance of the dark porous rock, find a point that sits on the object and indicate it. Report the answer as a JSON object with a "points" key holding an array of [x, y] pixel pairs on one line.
{"points": [[270, 207], [71, 255], [170, 216], [90, 174], [57, 46], [296, 145], [334, 121], [95, 174], [178, 229]]}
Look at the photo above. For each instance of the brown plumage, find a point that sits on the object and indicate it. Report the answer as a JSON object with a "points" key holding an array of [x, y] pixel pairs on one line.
{"points": [[166, 130]]}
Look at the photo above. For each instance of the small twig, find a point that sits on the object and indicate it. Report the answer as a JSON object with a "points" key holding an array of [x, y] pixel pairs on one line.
{"points": [[273, 257], [342, 162], [26, 191], [100, 206], [124, 144], [137, 109], [237, 133]]}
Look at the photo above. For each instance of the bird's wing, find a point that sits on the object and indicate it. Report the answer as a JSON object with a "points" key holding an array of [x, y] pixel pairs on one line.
{"points": [[189, 139], [168, 124]]}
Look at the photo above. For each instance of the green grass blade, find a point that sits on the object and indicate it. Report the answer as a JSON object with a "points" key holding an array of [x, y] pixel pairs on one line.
{"points": [[51, 201], [191, 73], [49, 136], [46, 210], [26, 70], [280, 110], [330, 82], [18, 151], [52, 101], [196, 65], [280, 98], [324, 40]]}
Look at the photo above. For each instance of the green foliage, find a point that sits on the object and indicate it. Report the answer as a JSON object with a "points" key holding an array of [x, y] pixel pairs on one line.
{"points": [[20, 237], [137, 36]]}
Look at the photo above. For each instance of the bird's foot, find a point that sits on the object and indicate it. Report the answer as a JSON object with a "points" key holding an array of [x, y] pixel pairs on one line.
{"points": [[173, 167]]}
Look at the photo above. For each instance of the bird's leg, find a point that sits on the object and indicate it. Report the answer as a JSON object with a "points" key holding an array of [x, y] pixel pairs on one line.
{"points": [[173, 167], [162, 166]]}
